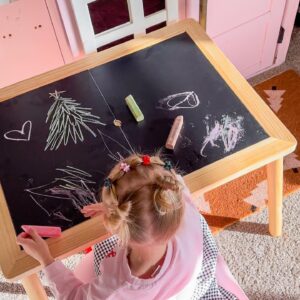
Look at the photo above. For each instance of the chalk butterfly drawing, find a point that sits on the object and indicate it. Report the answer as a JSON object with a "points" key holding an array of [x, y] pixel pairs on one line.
{"points": [[229, 131], [20, 135], [68, 119], [73, 189], [185, 100]]}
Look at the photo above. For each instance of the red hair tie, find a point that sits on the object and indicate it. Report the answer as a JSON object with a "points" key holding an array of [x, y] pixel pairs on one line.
{"points": [[146, 160]]}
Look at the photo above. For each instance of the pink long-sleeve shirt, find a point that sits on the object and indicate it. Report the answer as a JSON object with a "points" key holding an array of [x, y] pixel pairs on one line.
{"points": [[175, 280]]}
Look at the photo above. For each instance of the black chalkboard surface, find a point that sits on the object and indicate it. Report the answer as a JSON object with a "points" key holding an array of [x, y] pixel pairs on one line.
{"points": [[47, 177]]}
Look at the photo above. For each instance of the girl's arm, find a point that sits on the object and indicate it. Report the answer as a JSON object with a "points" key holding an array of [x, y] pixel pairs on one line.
{"points": [[35, 246], [64, 284]]}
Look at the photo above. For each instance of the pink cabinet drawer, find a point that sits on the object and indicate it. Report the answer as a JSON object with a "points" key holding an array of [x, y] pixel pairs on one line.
{"points": [[28, 45]]}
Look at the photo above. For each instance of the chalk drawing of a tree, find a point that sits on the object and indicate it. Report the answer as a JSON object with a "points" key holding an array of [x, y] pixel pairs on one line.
{"points": [[68, 120]]}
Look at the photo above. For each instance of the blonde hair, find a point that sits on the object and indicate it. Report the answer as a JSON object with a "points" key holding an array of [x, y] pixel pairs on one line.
{"points": [[143, 203]]}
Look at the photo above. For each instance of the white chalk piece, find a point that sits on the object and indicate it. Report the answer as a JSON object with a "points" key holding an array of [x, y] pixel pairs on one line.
{"points": [[174, 133]]}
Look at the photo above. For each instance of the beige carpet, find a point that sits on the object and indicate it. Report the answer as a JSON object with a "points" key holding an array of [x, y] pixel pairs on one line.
{"points": [[267, 268]]}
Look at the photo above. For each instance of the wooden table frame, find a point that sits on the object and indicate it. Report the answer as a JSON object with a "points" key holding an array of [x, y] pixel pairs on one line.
{"points": [[16, 264]]}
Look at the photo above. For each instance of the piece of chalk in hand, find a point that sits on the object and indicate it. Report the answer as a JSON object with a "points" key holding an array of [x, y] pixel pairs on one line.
{"points": [[44, 231], [134, 108], [174, 133]]}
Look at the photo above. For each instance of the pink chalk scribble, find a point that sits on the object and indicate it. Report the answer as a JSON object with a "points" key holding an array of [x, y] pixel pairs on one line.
{"points": [[229, 131]]}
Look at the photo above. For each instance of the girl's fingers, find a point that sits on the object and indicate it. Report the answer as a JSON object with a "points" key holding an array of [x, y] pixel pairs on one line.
{"points": [[90, 214], [93, 210], [86, 215], [93, 206], [23, 234], [85, 209], [20, 238], [32, 232], [25, 242]]}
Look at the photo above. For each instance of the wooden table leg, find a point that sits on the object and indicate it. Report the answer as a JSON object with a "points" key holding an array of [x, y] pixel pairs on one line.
{"points": [[34, 288], [275, 194]]}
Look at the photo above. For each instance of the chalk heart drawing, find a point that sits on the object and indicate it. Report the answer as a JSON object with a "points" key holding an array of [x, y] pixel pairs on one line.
{"points": [[20, 135], [185, 100]]}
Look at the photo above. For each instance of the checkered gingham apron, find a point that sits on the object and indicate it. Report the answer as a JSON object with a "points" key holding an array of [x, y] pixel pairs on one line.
{"points": [[207, 287]]}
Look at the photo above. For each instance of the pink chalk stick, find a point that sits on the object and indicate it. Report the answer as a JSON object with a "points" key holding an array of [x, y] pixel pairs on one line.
{"points": [[44, 231], [174, 133]]}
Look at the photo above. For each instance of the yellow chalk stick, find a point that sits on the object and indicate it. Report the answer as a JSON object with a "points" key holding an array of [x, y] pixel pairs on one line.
{"points": [[134, 108]]}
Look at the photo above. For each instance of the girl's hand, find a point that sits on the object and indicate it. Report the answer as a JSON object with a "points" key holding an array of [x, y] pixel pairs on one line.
{"points": [[93, 210], [35, 246]]}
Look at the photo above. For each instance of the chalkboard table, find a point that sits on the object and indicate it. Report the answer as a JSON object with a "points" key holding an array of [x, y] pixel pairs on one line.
{"points": [[58, 139]]}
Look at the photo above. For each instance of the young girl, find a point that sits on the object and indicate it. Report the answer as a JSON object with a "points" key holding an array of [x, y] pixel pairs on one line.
{"points": [[161, 247]]}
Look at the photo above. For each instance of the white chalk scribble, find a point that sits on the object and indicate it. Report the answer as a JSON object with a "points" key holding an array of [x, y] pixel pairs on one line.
{"points": [[68, 119], [74, 188], [229, 131], [185, 100], [20, 135]]}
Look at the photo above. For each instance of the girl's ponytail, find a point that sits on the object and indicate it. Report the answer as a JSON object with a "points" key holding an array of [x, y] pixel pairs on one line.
{"points": [[166, 197], [142, 199]]}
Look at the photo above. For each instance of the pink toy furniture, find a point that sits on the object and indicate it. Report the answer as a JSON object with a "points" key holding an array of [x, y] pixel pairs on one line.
{"points": [[37, 36], [254, 34], [28, 44]]}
